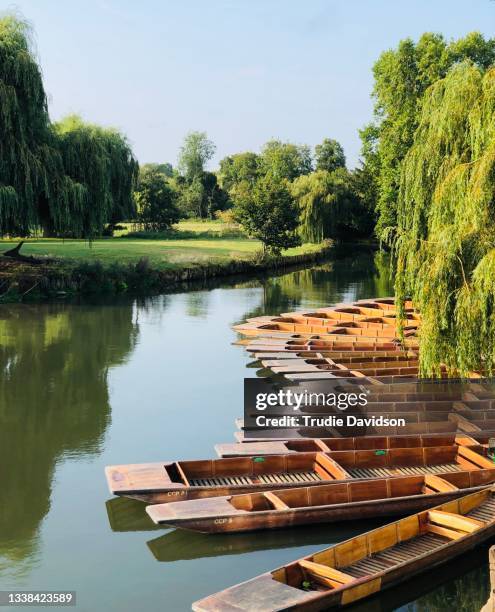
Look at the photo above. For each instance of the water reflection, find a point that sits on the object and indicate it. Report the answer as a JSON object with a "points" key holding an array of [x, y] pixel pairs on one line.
{"points": [[180, 545], [351, 276], [125, 514], [54, 402], [55, 418]]}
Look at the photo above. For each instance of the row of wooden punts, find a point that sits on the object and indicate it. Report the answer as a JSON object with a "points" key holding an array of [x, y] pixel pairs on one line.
{"points": [[438, 466]]}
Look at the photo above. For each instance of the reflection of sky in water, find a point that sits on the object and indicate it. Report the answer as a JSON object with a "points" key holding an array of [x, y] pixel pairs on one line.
{"points": [[83, 386]]}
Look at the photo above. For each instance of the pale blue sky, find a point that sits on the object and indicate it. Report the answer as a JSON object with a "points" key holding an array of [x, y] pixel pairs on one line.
{"points": [[243, 71]]}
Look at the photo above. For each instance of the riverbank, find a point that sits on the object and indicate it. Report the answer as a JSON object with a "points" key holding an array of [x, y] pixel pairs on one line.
{"points": [[137, 274]]}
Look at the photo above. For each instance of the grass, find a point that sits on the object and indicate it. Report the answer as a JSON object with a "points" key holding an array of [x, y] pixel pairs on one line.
{"points": [[163, 254]]}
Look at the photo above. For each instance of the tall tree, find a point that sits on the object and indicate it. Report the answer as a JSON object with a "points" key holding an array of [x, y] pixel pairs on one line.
{"points": [[156, 200], [284, 160], [269, 213], [49, 178], [329, 155], [195, 153], [446, 234], [237, 168], [329, 206], [101, 160], [33, 186], [401, 78]]}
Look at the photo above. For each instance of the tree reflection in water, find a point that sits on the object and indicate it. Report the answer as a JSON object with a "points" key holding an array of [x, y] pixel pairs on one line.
{"points": [[54, 403]]}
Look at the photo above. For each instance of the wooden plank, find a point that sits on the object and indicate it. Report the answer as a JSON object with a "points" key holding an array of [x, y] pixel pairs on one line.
{"points": [[454, 521], [361, 590], [439, 484], [474, 457], [276, 502], [335, 470], [327, 572], [447, 533]]}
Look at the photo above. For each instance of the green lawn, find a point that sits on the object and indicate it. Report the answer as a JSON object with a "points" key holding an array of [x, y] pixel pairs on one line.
{"points": [[161, 253]]}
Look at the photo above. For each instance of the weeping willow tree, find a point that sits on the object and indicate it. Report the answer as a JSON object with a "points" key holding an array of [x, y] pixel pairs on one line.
{"points": [[445, 250], [329, 205], [46, 182], [101, 160]]}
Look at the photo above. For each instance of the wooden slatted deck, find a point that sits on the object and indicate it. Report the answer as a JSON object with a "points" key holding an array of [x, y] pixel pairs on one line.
{"points": [[277, 478], [408, 550], [484, 512], [379, 472], [404, 551]]}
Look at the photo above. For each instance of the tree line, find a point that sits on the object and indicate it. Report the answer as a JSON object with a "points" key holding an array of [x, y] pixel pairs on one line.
{"points": [[76, 179], [282, 196]]}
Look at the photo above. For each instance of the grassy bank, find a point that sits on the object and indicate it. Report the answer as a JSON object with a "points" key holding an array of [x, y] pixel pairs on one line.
{"points": [[139, 264]]}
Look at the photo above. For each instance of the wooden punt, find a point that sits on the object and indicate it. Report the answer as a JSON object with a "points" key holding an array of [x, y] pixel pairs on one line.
{"points": [[364, 499], [293, 345], [176, 481], [326, 445], [373, 327], [370, 319], [369, 563]]}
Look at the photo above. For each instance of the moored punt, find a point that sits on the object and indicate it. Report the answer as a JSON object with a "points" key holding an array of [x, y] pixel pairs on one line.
{"points": [[177, 481], [362, 499], [370, 318], [375, 327], [278, 348], [305, 445], [366, 564]]}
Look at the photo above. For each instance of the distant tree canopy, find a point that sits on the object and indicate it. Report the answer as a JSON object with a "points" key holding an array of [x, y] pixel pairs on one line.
{"points": [[101, 160], [329, 155], [195, 153], [270, 214], [401, 79], [237, 168], [284, 160], [200, 194], [44, 183], [330, 207], [156, 200], [332, 202], [446, 222], [166, 169]]}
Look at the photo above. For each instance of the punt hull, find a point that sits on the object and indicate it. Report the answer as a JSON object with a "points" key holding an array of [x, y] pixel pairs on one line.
{"points": [[378, 508], [263, 593]]}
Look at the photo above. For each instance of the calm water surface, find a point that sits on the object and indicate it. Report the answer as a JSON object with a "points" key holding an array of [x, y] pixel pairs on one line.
{"points": [[86, 385]]}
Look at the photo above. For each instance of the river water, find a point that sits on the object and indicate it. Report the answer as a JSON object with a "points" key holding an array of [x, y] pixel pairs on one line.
{"points": [[88, 384]]}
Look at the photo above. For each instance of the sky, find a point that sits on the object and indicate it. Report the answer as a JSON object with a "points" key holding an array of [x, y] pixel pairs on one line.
{"points": [[244, 71]]}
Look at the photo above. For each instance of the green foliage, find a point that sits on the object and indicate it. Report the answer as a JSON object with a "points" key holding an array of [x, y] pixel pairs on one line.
{"points": [[45, 182], [401, 79], [284, 160], [165, 169], [329, 155], [202, 197], [156, 200], [200, 194], [445, 245], [329, 206], [195, 153], [238, 168], [101, 160], [270, 214]]}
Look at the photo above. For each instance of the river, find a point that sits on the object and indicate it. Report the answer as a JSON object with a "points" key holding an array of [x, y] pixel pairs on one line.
{"points": [[93, 383]]}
